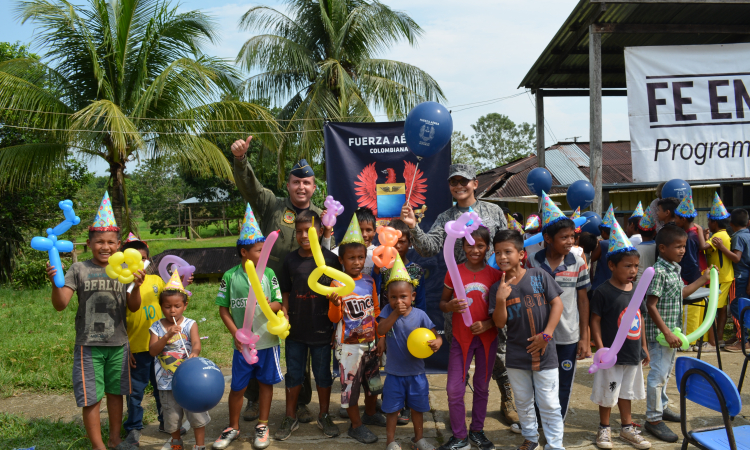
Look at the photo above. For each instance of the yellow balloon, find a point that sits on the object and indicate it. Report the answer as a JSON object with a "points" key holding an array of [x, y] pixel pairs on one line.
{"points": [[126, 280], [114, 268], [117, 259], [322, 269], [277, 323], [112, 271], [132, 256], [417, 343]]}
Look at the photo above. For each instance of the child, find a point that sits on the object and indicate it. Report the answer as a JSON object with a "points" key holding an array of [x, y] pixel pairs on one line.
{"points": [[599, 255], [588, 242], [356, 329], [101, 349], [366, 220], [532, 364], [664, 303], [570, 272], [740, 257], [647, 248], [665, 209], [631, 229], [623, 382], [311, 330], [175, 338], [415, 270], [406, 384], [533, 227], [477, 342], [232, 299]]}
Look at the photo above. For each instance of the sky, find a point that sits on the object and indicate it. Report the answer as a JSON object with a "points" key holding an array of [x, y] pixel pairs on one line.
{"points": [[477, 50]]}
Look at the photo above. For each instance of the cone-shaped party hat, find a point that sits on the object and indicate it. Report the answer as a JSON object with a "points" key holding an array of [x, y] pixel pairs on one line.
{"points": [[609, 218], [175, 284], [353, 233], [131, 238], [638, 211], [686, 208], [550, 212], [618, 241], [105, 218], [399, 273], [648, 222], [250, 232], [513, 224], [718, 211], [532, 223]]}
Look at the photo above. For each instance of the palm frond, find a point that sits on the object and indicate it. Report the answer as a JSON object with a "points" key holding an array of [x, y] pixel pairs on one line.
{"points": [[30, 164]]}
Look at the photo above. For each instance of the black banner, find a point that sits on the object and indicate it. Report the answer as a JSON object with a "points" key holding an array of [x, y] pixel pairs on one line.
{"points": [[369, 165]]}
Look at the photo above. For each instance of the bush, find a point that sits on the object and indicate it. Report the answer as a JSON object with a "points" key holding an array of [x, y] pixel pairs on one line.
{"points": [[31, 270]]}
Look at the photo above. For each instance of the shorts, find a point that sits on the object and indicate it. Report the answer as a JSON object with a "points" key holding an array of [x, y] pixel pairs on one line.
{"points": [[173, 414], [618, 382], [99, 370], [412, 391], [267, 370], [724, 290], [296, 360], [360, 367]]}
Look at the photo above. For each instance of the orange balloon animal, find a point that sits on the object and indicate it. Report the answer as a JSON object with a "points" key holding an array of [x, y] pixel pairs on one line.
{"points": [[385, 254]]}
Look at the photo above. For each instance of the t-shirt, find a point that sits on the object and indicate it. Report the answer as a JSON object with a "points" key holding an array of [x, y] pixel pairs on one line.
{"points": [[233, 292], [477, 286], [610, 304], [356, 315], [635, 239], [741, 242], [528, 308], [602, 272], [571, 275], [416, 272], [715, 257], [102, 302], [308, 310], [140, 321], [647, 252], [173, 354], [369, 265], [690, 262], [400, 361]]}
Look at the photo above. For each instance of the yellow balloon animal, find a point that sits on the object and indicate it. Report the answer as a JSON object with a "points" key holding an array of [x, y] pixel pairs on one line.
{"points": [[417, 343], [277, 323], [322, 269], [132, 258]]}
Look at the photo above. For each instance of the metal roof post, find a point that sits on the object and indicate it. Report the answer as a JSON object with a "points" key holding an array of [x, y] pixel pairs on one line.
{"points": [[595, 116], [539, 94]]}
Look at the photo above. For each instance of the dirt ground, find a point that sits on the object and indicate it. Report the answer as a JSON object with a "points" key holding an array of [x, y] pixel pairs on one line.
{"points": [[580, 426]]}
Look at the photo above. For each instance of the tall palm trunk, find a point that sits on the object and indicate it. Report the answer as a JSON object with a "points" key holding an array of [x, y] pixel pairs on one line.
{"points": [[117, 195]]}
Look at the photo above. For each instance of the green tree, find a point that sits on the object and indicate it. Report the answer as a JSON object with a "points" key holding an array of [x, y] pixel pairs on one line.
{"points": [[320, 61], [463, 150], [500, 141], [122, 81]]}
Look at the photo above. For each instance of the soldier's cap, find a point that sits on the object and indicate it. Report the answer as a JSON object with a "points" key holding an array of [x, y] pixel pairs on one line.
{"points": [[302, 169], [462, 170]]}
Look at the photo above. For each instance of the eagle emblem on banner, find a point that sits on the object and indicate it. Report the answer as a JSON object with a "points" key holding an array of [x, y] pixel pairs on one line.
{"points": [[385, 198]]}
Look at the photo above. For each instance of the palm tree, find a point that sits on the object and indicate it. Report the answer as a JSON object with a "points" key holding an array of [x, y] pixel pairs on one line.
{"points": [[121, 80], [320, 62]]}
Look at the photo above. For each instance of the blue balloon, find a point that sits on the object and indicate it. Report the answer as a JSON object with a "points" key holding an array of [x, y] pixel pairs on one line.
{"points": [[198, 385], [428, 129], [676, 188], [593, 220], [580, 194], [539, 180], [53, 246]]}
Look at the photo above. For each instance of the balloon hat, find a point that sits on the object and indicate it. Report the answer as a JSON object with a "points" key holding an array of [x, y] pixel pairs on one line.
{"points": [[550, 212], [513, 224], [250, 233], [175, 284], [532, 223], [618, 241], [718, 211], [353, 233], [638, 211], [647, 223], [105, 218], [399, 273], [686, 208], [609, 218]]}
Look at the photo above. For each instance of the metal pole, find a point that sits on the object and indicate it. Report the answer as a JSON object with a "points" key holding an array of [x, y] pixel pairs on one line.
{"points": [[190, 226], [595, 117], [540, 127]]}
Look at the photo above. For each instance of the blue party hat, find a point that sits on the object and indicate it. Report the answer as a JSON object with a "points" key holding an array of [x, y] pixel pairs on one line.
{"points": [[686, 208], [105, 218], [718, 211], [609, 218], [618, 240], [250, 233], [550, 212], [638, 211]]}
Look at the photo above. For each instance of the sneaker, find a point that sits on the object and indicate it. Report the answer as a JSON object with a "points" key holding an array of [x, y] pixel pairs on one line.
{"points": [[326, 424], [262, 438], [404, 417], [175, 445], [529, 445], [480, 441], [183, 430], [227, 436], [393, 446], [661, 431], [634, 438], [125, 446], [670, 416], [362, 434], [707, 347], [604, 437], [342, 413], [516, 428], [376, 420], [134, 438], [252, 411], [288, 425], [456, 444], [421, 444], [303, 414], [202, 447], [733, 348]]}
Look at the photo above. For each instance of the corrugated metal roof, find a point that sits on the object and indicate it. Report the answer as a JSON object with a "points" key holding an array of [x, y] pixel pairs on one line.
{"points": [[565, 170], [575, 154]]}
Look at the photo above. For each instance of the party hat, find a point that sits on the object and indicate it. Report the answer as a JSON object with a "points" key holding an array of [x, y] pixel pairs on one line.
{"points": [[609, 218], [550, 212], [686, 208], [398, 273], [250, 233], [618, 241], [131, 238], [638, 211], [353, 233], [532, 223], [513, 224], [718, 211], [576, 215], [175, 284], [647, 223], [105, 218]]}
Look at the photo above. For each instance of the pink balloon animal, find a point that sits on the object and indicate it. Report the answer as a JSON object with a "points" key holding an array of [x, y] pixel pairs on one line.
{"points": [[385, 254], [456, 229], [333, 210]]}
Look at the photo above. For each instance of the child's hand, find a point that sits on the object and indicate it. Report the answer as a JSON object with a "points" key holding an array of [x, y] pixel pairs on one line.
{"points": [[380, 347], [173, 329], [706, 234], [193, 355], [458, 305], [131, 360], [480, 327], [401, 308], [237, 345], [538, 344], [435, 344], [138, 277], [718, 243], [191, 279], [51, 272], [335, 299], [672, 340], [503, 291], [707, 274], [646, 358], [584, 349]]}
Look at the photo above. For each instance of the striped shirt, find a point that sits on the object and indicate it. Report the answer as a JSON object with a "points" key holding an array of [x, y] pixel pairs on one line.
{"points": [[571, 275], [667, 285]]}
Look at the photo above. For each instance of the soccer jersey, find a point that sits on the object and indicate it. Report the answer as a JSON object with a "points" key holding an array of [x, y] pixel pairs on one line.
{"points": [[357, 313], [715, 257], [140, 321]]}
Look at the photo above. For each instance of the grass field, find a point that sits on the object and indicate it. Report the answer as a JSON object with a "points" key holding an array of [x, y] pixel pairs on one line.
{"points": [[18, 432]]}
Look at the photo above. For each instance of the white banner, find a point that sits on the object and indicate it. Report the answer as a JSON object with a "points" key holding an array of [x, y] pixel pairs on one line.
{"points": [[689, 109]]}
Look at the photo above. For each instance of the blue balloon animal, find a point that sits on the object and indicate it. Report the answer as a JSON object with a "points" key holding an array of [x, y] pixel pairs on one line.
{"points": [[53, 246]]}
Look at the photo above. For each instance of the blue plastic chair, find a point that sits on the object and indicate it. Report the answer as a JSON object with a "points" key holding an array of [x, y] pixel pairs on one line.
{"points": [[744, 307], [708, 386]]}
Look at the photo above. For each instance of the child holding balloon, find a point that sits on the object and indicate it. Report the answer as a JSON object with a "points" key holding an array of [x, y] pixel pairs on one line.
{"points": [[405, 384], [478, 342]]}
